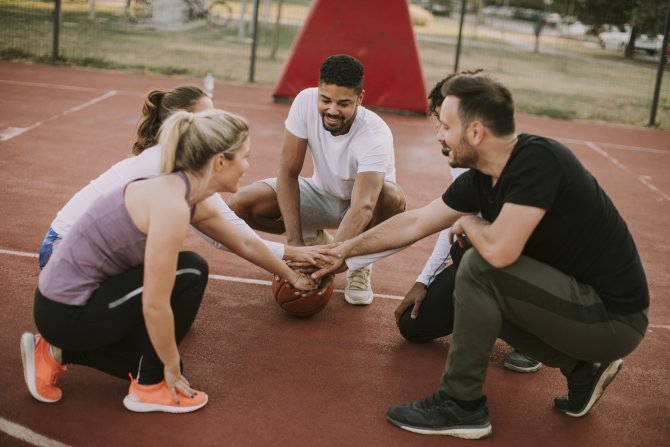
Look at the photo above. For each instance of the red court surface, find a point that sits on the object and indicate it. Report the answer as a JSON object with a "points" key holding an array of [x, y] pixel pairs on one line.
{"points": [[274, 380]]}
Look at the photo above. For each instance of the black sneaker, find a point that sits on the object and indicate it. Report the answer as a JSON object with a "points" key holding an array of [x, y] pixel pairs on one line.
{"points": [[586, 383], [516, 361], [436, 415]]}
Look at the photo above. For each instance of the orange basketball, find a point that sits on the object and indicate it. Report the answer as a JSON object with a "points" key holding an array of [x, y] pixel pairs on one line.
{"points": [[297, 305]]}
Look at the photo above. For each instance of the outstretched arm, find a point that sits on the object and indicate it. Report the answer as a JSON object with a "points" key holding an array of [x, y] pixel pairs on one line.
{"points": [[398, 231], [210, 222]]}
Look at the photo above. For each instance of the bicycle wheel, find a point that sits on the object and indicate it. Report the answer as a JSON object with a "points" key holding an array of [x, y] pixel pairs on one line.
{"points": [[219, 13], [138, 11]]}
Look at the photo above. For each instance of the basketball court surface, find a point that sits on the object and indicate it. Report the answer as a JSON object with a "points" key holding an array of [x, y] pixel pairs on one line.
{"points": [[277, 380]]}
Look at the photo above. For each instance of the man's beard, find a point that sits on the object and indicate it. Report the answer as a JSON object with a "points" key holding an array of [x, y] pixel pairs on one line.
{"points": [[335, 128], [467, 155]]}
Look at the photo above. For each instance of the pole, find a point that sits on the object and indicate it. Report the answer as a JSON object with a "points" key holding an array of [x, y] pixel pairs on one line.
{"points": [[56, 31], [460, 36], [254, 42], [661, 69], [91, 9]]}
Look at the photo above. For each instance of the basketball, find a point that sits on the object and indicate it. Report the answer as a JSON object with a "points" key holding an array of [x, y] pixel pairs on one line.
{"points": [[297, 305]]}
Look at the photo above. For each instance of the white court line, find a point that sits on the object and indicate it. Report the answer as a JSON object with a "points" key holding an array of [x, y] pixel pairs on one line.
{"points": [[27, 435], [643, 179], [12, 132]]}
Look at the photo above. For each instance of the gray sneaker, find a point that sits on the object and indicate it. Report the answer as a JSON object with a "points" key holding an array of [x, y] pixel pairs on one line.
{"points": [[437, 415], [516, 361]]}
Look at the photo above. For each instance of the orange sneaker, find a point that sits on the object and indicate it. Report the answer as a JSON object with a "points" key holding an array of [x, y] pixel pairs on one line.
{"points": [[40, 369], [145, 398]]}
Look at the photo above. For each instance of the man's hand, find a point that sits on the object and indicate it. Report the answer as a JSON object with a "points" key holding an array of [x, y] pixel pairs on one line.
{"points": [[308, 259], [415, 297], [335, 265]]}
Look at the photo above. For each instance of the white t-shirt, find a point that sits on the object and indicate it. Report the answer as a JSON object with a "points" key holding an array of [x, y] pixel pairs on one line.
{"points": [[367, 147], [145, 165]]}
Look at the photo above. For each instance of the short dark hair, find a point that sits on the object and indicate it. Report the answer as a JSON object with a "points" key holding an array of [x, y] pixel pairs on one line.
{"points": [[435, 96], [482, 98], [342, 70]]}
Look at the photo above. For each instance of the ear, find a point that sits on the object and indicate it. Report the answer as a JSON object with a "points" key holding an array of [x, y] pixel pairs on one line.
{"points": [[360, 97], [476, 132], [218, 163]]}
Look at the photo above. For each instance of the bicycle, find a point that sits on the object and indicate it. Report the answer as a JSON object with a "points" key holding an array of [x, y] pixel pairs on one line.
{"points": [[217, 12]]}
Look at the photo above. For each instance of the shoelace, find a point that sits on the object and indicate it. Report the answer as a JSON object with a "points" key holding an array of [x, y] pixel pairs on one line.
{"points": [[359, 278], [53, 375]]}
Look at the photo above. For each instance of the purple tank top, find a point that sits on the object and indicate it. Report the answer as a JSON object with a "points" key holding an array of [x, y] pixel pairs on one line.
{"points": [[103, 243]]}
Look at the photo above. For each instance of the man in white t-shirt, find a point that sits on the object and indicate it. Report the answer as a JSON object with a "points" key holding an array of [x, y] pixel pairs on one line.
{"points": [[353, 186]]}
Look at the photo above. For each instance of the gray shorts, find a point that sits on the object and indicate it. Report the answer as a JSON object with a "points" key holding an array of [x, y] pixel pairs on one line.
{"points": [[318, 209]]}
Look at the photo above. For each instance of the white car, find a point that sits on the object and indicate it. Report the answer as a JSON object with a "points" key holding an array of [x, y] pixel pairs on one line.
{"points": [[617, 41]]}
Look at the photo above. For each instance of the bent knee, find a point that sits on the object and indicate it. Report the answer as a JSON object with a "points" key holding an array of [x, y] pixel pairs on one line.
{"points": [[250, 197]]}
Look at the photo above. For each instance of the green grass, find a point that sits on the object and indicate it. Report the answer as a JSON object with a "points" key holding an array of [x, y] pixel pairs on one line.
{"points": [[567, 80]]}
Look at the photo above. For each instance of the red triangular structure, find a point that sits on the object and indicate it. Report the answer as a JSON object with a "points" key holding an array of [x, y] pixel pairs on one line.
{"points": [[378, 33]]}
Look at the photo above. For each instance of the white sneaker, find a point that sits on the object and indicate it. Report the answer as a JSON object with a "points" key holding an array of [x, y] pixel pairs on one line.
{"points": [[359, 287], [322, 238]]}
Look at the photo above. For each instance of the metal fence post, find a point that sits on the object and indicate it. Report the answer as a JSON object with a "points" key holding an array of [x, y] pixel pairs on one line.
{"points": [[56, 31], [460, 35], [254, 39], [661, 69]]}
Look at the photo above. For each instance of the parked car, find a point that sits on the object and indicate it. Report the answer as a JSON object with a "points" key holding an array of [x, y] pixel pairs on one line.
{"points": [[617, 40]]}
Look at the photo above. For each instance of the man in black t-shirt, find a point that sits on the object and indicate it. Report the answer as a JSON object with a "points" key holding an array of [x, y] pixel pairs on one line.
{"points": [[553, 269]]}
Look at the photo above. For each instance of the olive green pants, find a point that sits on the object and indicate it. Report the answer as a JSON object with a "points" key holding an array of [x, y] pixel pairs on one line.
{"points": [[537, 309]]}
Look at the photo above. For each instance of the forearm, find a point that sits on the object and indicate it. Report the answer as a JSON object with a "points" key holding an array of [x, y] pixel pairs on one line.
{"points": [[354, 223], [394, 233], [480, 237], [437, 261], [255, 252], [276, 248], [160, 327]]}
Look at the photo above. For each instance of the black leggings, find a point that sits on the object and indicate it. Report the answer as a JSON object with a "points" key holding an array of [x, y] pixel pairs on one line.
{"points": [[109, 333], [436, 315]]}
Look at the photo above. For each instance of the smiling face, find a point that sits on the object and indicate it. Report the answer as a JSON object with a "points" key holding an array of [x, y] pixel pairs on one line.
{"points": [[233, 170], [337, 107], [453, 136]]}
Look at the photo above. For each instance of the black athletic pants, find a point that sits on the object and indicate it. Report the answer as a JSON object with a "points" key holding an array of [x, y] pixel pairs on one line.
{"points": [[109, 333], [436, 315]]}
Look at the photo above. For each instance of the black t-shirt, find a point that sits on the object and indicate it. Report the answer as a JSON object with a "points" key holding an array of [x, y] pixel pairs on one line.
{"points": [[581, 234]]}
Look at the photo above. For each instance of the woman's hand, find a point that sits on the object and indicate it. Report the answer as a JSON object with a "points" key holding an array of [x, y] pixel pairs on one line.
{"points": [[177, 383], [303, 282]]}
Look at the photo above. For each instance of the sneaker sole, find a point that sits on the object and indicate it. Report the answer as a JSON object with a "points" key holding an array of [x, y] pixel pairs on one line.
{"points": [[140, 407], [28, 360], [357, 302], [605, 379], [522, 369], [457, 432]]}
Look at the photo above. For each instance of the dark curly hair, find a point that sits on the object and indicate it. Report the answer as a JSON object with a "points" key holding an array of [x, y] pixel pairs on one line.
{"points": [[342, 70], [158, 105]]}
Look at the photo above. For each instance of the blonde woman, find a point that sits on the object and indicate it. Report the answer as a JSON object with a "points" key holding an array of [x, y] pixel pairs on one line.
{"points": [[118, 295]]}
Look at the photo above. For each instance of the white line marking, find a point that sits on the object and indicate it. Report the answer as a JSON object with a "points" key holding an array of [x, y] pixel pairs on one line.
{"points": [[642, 179], [19, 253], [56, 86], [659, 326], [27, 435], [12, 132], [618, 146]]}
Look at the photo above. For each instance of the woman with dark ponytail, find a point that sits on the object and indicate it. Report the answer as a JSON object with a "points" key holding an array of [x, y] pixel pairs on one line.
{"points": [[158, 106], [119, 295]]}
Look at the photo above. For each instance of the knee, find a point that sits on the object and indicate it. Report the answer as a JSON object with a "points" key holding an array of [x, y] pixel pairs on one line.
{"points": [[245, 201], [411, 330], [192, 260], [391, 200]]}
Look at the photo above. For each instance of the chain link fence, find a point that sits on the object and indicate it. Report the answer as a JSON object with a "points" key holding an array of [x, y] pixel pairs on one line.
{"points": [[554, 65]]}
